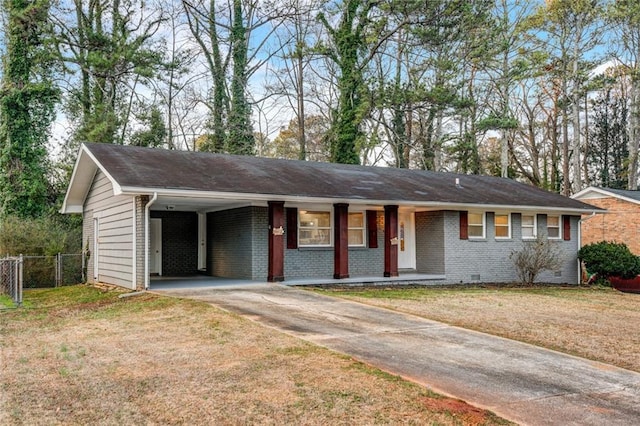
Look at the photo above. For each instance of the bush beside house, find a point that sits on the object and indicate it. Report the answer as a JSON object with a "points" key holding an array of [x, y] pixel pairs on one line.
{"points": [[609, 259]]}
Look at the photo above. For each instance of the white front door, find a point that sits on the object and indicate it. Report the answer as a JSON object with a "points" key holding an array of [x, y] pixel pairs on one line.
{"points": [[155, 246], [202, 241], [406, 240]]}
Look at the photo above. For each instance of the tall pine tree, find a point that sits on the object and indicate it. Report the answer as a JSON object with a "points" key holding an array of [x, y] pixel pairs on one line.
{"points": [[609, 152]]}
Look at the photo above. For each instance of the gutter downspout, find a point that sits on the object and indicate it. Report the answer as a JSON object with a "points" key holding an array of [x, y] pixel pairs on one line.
{"points": [[591, 216], [147, 208]]}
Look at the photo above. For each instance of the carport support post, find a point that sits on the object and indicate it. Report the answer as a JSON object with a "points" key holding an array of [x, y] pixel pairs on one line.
{"points": [[390, 241], [341, 241], [276, 241]]}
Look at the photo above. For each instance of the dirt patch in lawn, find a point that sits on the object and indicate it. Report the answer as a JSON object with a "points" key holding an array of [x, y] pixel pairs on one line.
{"points": [[595, 323], [79, 355]]}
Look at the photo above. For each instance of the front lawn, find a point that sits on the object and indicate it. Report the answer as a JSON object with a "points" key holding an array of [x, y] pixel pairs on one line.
{"points": [[79, 355], [595, 323]]}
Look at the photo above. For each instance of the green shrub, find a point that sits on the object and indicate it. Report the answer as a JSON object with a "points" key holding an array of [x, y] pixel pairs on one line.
{"points": [[39, 240], [609, 259], [44, 236]]}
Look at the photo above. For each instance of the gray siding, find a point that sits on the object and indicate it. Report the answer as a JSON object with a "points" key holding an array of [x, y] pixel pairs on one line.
{"points": [[260, 246], [368, 261], [487, 260], [318, 262], [237, 245], [308, 263], [430, 243], [115, 239]]}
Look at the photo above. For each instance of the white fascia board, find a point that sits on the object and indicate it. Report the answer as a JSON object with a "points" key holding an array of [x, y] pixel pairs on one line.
{"points": [[72, 209], [510, 208], [297, 200], [117, 190], [66, 206], [580, 195], [81, 164], [604, 193]]}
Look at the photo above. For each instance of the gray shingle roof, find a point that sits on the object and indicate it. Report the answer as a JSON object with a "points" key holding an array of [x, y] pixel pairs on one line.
{"points": [[158, 169], [635, 195]]}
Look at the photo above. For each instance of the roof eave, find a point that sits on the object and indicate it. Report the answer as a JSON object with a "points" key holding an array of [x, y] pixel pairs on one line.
{"points": [[213, 195], [604, 192], [84, 171]]}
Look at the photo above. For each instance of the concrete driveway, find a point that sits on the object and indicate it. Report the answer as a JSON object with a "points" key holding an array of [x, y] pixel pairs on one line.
{"points": [[520, 382]]}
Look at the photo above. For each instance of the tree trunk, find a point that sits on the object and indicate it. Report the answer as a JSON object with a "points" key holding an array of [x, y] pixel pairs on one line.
{"points": [[577, 164], [302, 137], [634, 134]]}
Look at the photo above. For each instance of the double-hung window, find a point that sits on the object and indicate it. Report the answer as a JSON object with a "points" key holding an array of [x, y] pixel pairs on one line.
{"points": [[356, 229], [529, 226], [314, 229], [502, 224], [476, 225], [553, 227]]}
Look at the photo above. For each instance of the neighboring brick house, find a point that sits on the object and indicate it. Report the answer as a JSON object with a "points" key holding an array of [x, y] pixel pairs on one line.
{"points": [[620, 223], [165, 212]]}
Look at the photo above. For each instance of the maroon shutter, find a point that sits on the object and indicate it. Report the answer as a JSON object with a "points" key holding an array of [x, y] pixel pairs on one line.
{"points": [[372, 228], [340, 241], [464, 225], [292, 228], [566, 228]]}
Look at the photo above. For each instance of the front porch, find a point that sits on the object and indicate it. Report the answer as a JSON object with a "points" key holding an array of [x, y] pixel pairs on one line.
{"points": [[204, 281]]}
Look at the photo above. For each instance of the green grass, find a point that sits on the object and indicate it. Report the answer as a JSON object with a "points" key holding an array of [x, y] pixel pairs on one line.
{"points": [[6, 301], [83, 301], [471, 291], [80, 365], [67, 296]]}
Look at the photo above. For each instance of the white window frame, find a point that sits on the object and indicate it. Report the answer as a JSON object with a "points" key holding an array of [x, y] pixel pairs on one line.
{"points": [[330, 228], [535, 226], [363, 229], [484, 225], [495, 226], [559, 237]]}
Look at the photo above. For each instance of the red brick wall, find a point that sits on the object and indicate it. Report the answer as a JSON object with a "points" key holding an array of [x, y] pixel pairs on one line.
{"points": [[620, 224]]}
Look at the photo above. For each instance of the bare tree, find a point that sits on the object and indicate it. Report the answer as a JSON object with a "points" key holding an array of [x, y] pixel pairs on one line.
{"points": [[536, 257], [236, 40], [625, 16], [571, 30]]}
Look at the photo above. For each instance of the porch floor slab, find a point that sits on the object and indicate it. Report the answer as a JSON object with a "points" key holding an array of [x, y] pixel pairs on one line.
{"points": [[205, 281], [199, 281], [403, 278]]}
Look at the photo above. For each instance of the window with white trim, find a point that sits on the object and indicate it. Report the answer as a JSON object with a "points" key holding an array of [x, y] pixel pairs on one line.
{"points": [[314, 228], [553, 227], [356, 229], [476, 225], [502, 225], [529, 226]]}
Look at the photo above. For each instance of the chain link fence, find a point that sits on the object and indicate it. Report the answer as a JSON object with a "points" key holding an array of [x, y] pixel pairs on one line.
{"points": [[18, 272], [11, 278], [52, 271]]}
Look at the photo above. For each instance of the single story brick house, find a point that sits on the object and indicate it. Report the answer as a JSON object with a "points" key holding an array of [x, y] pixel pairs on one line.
{"points": [[175, 213], [620, 223]]}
